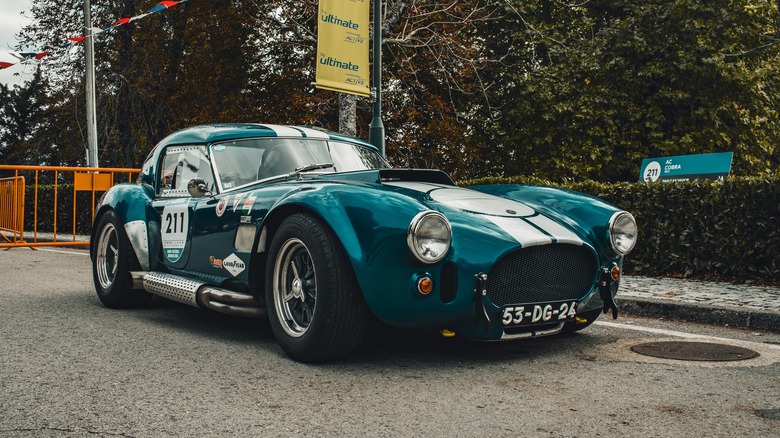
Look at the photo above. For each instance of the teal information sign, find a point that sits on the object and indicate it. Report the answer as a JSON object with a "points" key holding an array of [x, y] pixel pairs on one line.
{"points": [[686, 167]]}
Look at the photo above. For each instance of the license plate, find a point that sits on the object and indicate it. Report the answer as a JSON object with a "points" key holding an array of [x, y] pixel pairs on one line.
{"points": [[539, 313]]}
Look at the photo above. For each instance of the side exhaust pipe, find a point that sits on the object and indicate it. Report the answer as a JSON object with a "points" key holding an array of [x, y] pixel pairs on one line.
{"points": [[198, 294]]}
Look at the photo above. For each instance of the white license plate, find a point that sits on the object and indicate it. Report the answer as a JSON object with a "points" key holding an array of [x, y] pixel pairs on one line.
{"points": [[539, 313]]}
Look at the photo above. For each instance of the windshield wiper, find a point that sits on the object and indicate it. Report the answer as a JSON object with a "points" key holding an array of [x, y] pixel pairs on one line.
{"points": [[313, 166]]}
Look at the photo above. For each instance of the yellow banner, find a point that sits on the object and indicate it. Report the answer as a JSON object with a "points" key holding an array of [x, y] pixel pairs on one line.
{"points": [[342, 46]]}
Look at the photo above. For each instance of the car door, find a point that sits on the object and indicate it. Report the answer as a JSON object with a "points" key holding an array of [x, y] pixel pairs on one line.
{"points": [[174, 205]]}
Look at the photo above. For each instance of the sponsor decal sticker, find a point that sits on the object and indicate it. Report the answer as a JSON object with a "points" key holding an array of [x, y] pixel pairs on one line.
{"points": [[237, 200], [246, 219], [250, 201], [233, 264], [222, 206], [215, 262]]}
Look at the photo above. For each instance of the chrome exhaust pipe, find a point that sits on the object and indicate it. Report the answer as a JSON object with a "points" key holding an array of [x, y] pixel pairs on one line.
{"points": [[198, 294]]}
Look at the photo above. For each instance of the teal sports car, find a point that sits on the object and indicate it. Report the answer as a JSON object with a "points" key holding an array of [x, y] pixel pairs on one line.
{"points": [[315, 231]]}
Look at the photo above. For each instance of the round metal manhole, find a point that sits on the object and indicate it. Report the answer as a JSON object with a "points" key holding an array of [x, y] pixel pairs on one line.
{"points": [[704, 351]]}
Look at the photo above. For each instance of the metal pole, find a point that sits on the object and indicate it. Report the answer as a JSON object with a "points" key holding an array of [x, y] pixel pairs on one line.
{"points": [[89, 82], [376, 131]]}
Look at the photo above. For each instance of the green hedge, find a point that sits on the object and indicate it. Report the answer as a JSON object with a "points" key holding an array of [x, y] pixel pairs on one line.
{"points": [[726, 229], [45, 211]]}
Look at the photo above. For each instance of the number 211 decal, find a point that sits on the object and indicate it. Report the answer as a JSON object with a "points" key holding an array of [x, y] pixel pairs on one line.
{"points": [[175, 225]]}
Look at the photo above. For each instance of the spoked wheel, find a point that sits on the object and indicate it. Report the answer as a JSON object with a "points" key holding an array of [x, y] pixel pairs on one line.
{"points": [[316, 309], [112, 261], [295, 287]]}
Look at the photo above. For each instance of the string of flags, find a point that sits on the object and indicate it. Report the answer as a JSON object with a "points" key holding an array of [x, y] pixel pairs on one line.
{"points": [[29, 56]]}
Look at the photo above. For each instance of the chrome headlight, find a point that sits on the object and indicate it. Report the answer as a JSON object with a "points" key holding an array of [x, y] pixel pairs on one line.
{"points": [[429, 236], [622, 232]]}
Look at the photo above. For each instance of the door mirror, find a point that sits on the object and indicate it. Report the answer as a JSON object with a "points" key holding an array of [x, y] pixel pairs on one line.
{"points": [[197, 188]]}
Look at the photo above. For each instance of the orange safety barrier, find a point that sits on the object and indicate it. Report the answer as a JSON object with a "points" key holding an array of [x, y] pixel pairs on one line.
{"points": [[12, 208], [12, 201]]}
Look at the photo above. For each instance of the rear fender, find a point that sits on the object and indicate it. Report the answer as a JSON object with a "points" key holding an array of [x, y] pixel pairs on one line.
{"points": [[132, 203]]}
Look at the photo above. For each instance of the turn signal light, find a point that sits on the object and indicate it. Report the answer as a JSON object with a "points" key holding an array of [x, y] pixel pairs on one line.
{"points": [[615, 272], [425, 285], [447, 333]]}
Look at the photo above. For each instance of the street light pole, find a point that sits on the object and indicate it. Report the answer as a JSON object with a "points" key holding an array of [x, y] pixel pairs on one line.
{"points": [[89, 82], [376, 131]]}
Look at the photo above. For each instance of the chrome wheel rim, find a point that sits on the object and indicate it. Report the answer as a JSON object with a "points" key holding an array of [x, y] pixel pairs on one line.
{"points": [[107, 256], [294, 287]]}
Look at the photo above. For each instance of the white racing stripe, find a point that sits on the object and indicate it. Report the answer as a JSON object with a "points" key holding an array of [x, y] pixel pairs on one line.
{"points": [[313, 133], [520, 230], [677, 334], [284, 131], [558, 231]]}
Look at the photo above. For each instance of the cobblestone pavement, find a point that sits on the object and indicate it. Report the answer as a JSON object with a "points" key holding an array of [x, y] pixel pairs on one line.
{"points": [[742, 305]]}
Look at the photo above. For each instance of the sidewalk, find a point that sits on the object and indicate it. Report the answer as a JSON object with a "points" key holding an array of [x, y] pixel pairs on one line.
{"points": [[739, 305]]}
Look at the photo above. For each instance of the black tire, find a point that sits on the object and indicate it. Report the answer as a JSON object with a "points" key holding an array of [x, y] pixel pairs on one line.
{"points": [[589, 317], [315, 306], [112, 260]]}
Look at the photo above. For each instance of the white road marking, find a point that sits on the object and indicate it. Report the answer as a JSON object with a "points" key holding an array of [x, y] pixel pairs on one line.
{"points": [[681, 334], [86, 253]]}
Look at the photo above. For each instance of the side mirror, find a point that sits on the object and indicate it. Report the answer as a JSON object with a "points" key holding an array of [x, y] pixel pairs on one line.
{"points": [[197, 188]]}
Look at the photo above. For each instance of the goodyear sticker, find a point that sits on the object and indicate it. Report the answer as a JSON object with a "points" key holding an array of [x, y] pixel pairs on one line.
{"points": [[221, 206], [233, 264]]}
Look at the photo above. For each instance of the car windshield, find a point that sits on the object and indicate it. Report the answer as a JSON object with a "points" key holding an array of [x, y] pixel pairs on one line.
{"points": [[245, 161]]}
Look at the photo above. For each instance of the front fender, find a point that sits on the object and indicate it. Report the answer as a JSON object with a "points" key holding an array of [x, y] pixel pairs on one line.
{"points": [[364, 224], [371, 228]]}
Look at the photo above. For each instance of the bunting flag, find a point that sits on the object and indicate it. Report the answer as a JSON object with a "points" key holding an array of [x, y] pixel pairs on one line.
{"points": [[27, 56]]}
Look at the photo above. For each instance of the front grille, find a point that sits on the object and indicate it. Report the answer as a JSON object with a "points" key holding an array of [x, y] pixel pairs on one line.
{"points": [[538, 274]]}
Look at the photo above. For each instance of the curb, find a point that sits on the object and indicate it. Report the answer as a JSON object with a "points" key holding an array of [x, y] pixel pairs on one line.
{"points": [[731, 316]]}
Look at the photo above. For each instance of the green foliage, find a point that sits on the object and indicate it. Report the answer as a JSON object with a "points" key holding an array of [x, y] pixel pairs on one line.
{"points": [[589, 90], [559, 90], [725, 229], [45, 211]]}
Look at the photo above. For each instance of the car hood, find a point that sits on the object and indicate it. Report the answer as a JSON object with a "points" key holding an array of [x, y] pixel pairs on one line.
{"points": [[521, 221]]}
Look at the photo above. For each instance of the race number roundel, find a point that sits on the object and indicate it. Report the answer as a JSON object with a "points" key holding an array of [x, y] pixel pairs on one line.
{"points": [[652, 171], [175, 225]]}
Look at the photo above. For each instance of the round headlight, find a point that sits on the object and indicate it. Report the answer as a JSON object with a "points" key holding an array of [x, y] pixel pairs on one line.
{"points": [[429, 236], [622, 232]]}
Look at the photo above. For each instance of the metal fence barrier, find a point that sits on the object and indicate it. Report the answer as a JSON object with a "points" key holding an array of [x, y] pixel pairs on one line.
{"points": [[13, 192], [12, 209]]}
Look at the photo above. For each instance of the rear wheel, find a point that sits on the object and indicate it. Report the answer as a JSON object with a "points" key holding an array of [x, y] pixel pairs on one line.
{"points": [[315, 306], [112, 261]]}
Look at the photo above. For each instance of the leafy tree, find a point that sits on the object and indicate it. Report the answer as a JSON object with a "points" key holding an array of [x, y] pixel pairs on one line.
{"points": [[22, 118], [588, 90]]}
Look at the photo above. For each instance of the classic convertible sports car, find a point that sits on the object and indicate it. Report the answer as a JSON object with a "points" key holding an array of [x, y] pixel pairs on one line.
{"points": [[314, 230]]}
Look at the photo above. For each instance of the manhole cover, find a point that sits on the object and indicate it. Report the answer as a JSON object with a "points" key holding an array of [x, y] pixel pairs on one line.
{"points": [[680, 350]]}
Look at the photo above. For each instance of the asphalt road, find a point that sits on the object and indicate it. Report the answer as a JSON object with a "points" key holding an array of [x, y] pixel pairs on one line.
{"points": [[70, 367]]}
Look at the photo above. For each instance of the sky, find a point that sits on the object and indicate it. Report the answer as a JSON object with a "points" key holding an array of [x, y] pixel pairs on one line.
{"points": [[11, 22]]}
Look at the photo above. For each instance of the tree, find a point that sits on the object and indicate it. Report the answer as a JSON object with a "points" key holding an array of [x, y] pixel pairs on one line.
{"points": [[22, 122], [431, 73], [588, 90]]}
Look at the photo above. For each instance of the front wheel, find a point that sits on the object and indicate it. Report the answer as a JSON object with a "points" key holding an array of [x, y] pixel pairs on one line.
{"points": [[315, 306], [112, 261]]}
